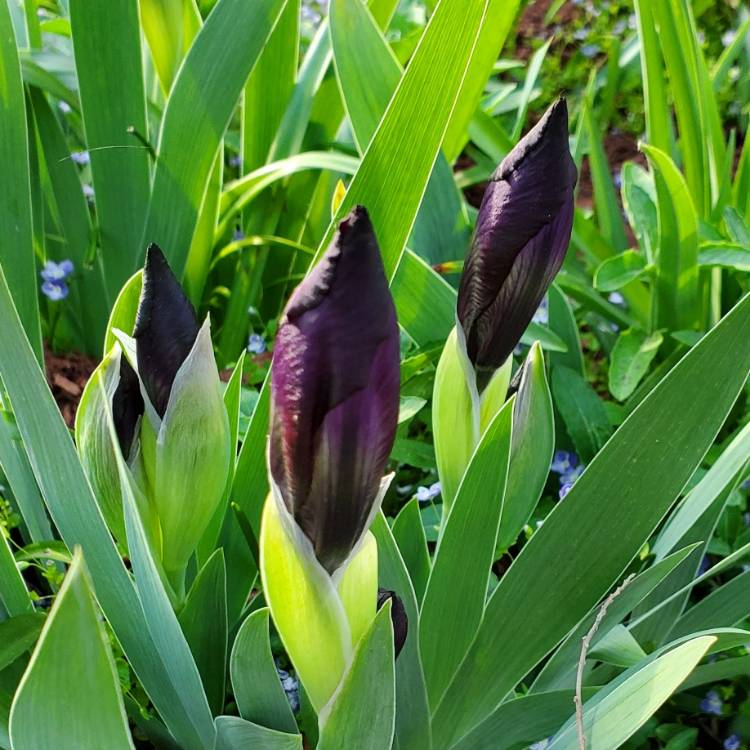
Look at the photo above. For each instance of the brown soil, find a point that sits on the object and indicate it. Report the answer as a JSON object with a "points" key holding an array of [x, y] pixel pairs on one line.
{"points": [[531, 24], [67, 375]]}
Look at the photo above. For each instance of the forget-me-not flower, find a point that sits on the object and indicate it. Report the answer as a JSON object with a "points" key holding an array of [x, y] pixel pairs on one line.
{"points": [[712, 703], [54, 276], [732, 742], [80, 157], [425, 494], [256, 344]]}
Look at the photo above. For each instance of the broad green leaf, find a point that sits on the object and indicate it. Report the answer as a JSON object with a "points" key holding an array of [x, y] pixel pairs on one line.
{"points": [[362, 712], [203, 620], [676, 281], [727, 605], [17, 246], [455, 417], [162, 623], [412, 710], [410, 538], [255, 682], [500, 17], [725, 254], [532, 446], [710, 674], [199, 108], [416, 281], [124, 310], [521, 721], [618, 647], [18, 635], [87, 290], [169, 27], [562, 322], [400, 156], [560, 670], [107, 44], [615, 273], [631, 356], [365, 62], [639, 201], [233, 733], [457, 587], [605, 519], [78, 713], [582, 411], [15, 466], [617, 712], [14, 597]]}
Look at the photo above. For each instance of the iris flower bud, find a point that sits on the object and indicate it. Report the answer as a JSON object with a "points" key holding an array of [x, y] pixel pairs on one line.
{"points": [[521, 237], [335, 383], [169, 417]]}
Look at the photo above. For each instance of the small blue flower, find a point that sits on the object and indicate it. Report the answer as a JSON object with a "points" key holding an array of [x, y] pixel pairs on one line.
{"points": [[88, 191], [425, 494], [64, 107], [256, 344], [565, 488], [703, 567], [238, 235], [745, 484], [616, 298], [590, 50], [235, 160], [56, 271], [291, 687], [712, 704], [732, 742], [55, 290], [541, 315], [563, 461], [80, 157]]}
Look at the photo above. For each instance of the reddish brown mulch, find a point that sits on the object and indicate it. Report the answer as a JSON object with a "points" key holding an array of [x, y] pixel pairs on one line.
{"points": [[531, 24], [67, 375]]}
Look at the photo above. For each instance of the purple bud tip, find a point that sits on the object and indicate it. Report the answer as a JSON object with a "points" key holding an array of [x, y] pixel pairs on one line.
{"points": [[165, 328], [335, 383], [399, 619], [521, 237]]}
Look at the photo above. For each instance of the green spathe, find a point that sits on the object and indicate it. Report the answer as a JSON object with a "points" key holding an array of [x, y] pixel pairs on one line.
{"points": [[459, 414]]}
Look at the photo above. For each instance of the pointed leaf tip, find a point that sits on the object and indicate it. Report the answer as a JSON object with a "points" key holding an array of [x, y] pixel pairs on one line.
{"points": [[165, 328]]}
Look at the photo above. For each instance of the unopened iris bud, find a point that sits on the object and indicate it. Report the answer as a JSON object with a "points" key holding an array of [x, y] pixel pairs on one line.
{"points": [[335, 384], [521, 237], [170, 420]]}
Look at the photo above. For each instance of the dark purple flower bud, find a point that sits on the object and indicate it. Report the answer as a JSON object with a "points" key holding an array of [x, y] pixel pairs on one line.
{"points": [[335, 384], [165, 328], [399, 620], [521, 237], [127, 406]]}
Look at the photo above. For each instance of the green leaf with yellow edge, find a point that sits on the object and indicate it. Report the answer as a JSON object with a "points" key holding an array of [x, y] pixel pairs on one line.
{"points": [[84, 712]]}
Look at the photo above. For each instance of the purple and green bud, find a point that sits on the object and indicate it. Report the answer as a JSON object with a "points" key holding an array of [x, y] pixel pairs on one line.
{"points": [[335, 385], [335, 399], [168, 413], [521, 237]]}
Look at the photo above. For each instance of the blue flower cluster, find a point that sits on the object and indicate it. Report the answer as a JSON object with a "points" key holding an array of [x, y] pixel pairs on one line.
{"points": [[425, 494], [291, 687], [568, 466], [54, 279]]}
